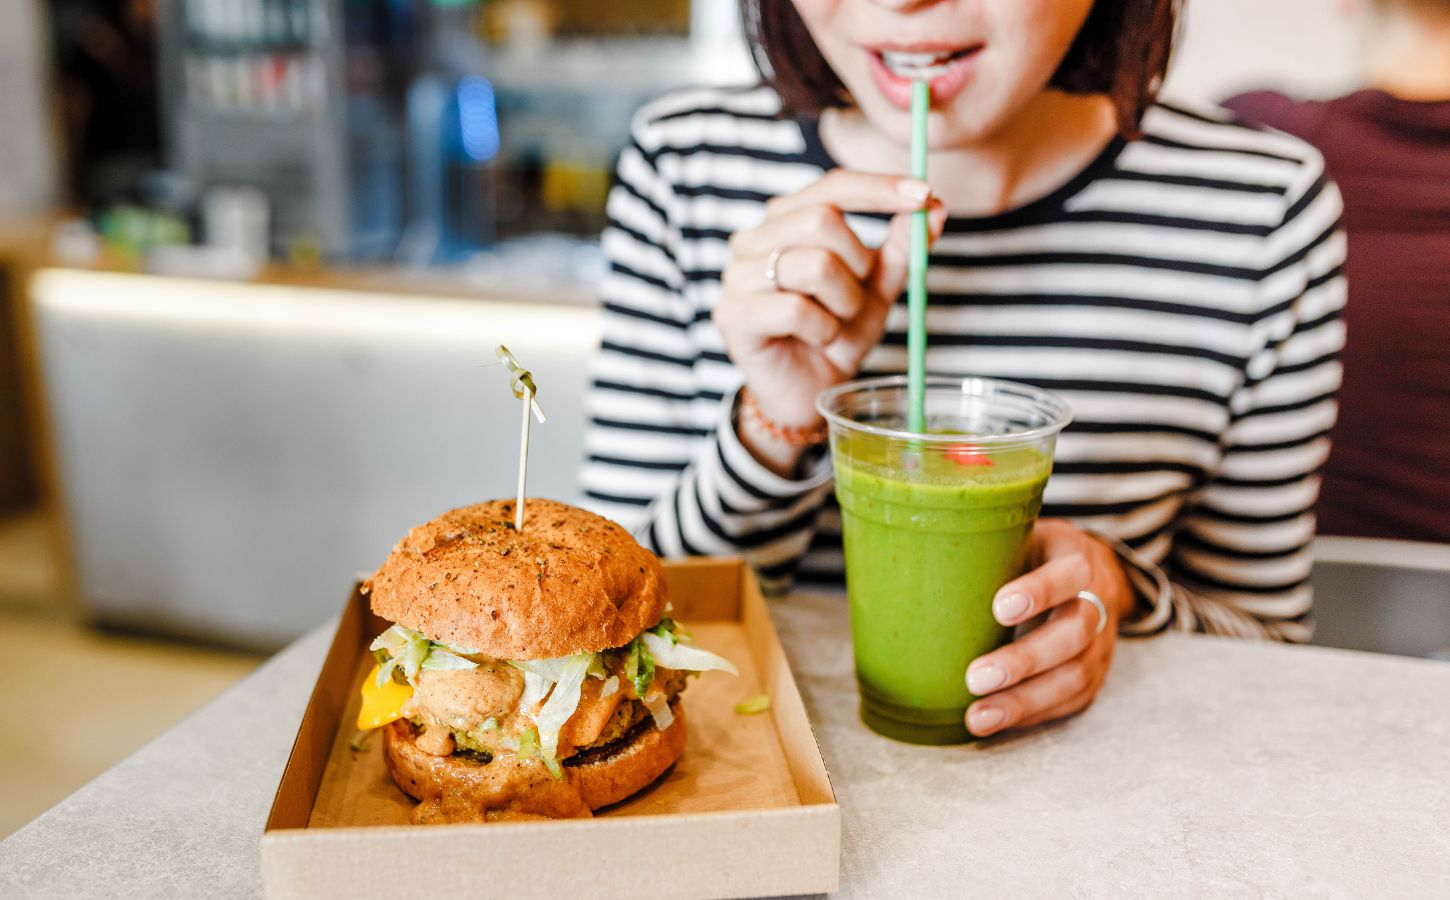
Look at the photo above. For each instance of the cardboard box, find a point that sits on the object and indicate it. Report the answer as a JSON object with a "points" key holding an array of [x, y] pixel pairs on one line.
{"points": [[747, 811]]}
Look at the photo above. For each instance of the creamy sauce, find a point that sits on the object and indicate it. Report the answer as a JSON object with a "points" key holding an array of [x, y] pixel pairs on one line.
{"points": [[462, 698], [588, 721]]}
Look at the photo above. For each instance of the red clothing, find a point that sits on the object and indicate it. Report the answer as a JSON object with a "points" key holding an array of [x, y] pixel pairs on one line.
{"points": [[1389, 471]]}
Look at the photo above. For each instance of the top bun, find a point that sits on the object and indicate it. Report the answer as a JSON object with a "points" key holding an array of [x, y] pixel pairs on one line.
{"points": [[571, 582]]}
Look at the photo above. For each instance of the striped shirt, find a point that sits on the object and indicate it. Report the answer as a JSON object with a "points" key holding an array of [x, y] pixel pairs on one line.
{"points": [[1182, 293]]}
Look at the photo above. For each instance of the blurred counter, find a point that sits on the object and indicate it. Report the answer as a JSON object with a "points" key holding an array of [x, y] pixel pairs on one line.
{"points": [[229, 455]]}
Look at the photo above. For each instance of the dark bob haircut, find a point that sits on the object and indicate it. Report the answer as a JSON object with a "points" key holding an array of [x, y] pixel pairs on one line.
{"points": [[1122, 51]]}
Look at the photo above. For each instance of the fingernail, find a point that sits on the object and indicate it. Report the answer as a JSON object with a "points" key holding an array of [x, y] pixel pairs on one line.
{"points": [[1010, 607], [913, 189], [986, 678], [983, 719]]}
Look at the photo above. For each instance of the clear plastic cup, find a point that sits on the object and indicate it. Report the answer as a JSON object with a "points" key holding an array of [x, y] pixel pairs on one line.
{"points": [[934, 523]]}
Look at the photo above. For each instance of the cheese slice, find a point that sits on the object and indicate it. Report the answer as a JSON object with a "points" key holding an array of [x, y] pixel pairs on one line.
{"points": [[383, 703]]}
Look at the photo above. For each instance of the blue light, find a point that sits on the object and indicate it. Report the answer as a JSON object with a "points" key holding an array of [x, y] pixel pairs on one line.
{"points": [[478, 118]]}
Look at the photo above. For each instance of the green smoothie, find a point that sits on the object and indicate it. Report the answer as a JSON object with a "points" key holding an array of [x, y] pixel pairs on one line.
{"points": [[931, 532]]}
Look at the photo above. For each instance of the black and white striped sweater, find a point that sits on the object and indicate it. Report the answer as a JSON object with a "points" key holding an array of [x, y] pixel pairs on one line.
{"points": [[1182, 294]]}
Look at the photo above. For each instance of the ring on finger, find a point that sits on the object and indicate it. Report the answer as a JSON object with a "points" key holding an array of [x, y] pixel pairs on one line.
{"points": [[1097, 603], [772, 266]]}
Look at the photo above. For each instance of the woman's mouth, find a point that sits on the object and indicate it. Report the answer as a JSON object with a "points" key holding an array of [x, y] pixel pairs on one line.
{"points": [[946, 69]]}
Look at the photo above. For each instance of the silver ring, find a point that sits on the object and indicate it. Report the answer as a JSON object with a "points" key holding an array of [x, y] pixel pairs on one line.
{"points": [[1097, 603], [772, 266]]}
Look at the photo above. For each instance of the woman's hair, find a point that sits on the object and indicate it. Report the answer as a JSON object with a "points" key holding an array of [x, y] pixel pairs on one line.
{"points": [[1122, 51]]}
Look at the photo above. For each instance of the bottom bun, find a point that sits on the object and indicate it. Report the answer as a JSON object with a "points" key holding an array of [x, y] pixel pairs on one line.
{"points": [[458, 789]]}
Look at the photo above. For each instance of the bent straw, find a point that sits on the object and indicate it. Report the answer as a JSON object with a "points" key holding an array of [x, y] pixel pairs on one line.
{"points": [[521, 381], [916, 267]]}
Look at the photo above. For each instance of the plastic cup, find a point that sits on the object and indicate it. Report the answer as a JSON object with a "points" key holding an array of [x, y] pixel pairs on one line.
{"points": [[934, 523]]}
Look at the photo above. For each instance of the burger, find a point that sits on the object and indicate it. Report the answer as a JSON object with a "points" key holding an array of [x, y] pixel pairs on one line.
{"points": [[529, 673]]}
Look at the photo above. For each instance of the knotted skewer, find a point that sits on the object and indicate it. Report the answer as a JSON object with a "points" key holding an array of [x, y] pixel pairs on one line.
{"points": [[521, 382]]}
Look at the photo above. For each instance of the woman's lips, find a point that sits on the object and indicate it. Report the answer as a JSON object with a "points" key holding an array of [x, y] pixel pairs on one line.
{"points": [[947, 80]]}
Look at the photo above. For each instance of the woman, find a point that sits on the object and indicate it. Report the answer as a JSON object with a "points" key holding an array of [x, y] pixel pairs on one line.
{"points": [[1174, 277], [1388, 147]]}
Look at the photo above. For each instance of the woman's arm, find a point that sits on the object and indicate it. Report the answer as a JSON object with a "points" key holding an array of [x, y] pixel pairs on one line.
{"points": [[664, 455], [1241, 561]]}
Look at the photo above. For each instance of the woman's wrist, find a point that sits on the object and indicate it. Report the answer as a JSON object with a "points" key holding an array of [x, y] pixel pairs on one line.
{"points": [[777, 447]]}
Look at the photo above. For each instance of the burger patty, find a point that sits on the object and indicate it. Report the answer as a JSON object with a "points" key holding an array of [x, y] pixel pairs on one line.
{"points": [[603, 748]]}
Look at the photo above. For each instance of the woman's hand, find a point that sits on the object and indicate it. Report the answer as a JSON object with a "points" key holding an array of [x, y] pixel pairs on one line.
{"points": [[1056, 669], [813, 327]]}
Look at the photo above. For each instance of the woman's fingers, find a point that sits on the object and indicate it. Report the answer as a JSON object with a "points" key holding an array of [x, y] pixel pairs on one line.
{"points": [[894, 257], [1052, 584], [814, 226], [1066, 634], [1071, 706], [1036, 698], [757, 318], [855, 192], [812, 271]]}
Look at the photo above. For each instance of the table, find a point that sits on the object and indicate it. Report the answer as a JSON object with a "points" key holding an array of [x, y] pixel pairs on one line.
{"points": [[1208, 767]]}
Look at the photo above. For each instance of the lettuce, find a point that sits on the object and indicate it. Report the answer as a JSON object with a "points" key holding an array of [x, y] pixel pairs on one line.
{"points": [[403, 648], [540, 675], [596, 667], [558, 684], [611, 686], [536, 688], [659, 710], [684, 656], [665, 629], [441, 660], [563, 700], [639, 667], [753, 706], [528, 746]]}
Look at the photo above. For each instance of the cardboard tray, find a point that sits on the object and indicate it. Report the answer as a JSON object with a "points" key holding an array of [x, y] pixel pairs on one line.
{"points": [[747, 811]]}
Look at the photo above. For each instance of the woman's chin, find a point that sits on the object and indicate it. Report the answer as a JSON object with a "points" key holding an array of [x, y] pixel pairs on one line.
{"points": [[957, 126]]}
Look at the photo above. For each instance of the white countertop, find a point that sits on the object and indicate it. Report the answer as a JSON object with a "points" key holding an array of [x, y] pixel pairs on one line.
{"points": [[1208, 767]]}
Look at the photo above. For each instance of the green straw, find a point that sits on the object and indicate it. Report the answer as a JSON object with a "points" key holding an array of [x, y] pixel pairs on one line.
{"points": [[916, 268]]}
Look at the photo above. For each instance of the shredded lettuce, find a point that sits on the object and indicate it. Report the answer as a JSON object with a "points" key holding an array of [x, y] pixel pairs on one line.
{"points": [[666, 629], [441, 660], [611, 686], [684, 656], [753, 706], [528, 746], [540, 675], [484, 727], [639, 667], [536, 688], [557, 684], [563, 700], [412, 652], [550, 669], [659, 710]]}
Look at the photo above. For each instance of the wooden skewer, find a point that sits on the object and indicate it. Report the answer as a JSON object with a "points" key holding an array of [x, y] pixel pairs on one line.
{"points": [[521, 381]]}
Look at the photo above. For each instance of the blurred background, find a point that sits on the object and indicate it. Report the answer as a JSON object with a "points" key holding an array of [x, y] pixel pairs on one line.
{"points": [[254, 257]]}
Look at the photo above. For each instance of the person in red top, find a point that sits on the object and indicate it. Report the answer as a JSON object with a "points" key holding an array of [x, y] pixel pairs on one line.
{"points": [[1388, 147]]}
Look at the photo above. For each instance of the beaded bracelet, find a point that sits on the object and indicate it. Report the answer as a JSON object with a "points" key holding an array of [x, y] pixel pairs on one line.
{"points": [[792, 436]]}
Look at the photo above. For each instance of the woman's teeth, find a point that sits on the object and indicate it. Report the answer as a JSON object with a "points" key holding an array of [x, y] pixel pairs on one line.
{"points": [[919, 66]]}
